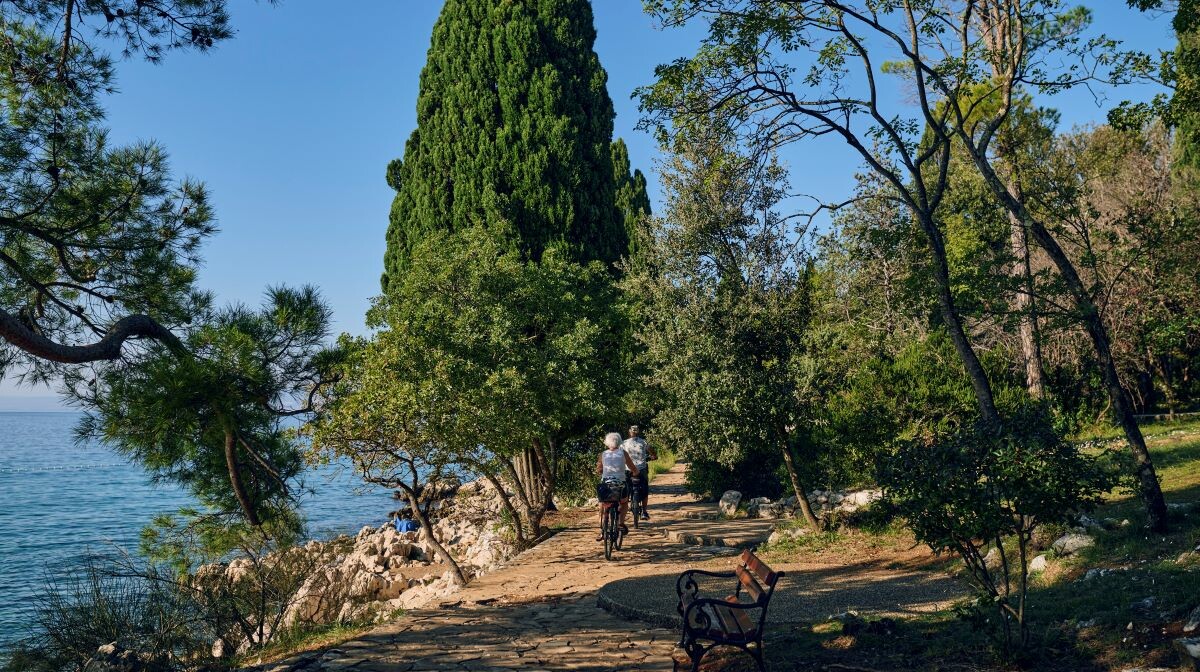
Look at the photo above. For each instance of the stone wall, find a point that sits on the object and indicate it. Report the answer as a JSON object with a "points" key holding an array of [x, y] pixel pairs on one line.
{"points": [[823, 502]]}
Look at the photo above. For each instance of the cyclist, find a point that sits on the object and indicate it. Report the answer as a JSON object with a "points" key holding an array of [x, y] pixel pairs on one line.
{"points": [[611, 465], [640, 453]]}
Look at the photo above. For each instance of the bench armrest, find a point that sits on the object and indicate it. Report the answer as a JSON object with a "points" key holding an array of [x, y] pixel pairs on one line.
{"points": [[686, 583]]}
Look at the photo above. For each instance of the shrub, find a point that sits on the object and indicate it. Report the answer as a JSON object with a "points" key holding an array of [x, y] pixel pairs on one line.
{"points": [[967, 490], [101, 602], [757, 474]]}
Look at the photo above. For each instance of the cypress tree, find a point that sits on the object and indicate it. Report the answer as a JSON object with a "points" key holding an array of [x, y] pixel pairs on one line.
{"points": [[633, 203], [514, 129], [1187, 88]]}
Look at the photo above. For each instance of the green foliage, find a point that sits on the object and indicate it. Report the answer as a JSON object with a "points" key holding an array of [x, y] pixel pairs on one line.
{"points": [[664, 463], [631, 198], [725, 300], [481, 352], [520, 348], [213, 420], [1178, 71], [90, 232], [964, 490], [514, 124], [756, 472]]}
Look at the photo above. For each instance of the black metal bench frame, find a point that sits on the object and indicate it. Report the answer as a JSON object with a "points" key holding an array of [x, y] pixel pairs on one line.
{"points": [[710, 622]]}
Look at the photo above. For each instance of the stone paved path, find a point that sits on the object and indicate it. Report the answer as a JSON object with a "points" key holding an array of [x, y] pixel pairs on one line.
{"points": [[540, 611]]}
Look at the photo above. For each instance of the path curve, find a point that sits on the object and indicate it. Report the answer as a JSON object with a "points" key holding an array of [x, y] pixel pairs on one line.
{"points": [[539, 612]]}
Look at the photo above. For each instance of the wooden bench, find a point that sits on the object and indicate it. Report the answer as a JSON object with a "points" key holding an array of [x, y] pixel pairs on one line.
{"points": [[736, 620]]}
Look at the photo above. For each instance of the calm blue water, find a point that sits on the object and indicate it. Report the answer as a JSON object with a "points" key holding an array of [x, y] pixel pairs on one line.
{"points": [[58, 500]]}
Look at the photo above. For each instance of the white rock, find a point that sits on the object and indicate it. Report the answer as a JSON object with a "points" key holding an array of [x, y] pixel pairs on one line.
{"points": [[1072, 542], [1038, 564], [729, 502], [992, 559], [1189, 651], [1192, 624]]}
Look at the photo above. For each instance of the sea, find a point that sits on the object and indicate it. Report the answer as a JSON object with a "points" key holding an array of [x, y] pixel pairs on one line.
{"points": [[60, 500]]}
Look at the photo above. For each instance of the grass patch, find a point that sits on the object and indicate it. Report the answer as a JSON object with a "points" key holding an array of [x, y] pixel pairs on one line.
{"points": [[664, 463], [1159, 428], [1125, 614]]}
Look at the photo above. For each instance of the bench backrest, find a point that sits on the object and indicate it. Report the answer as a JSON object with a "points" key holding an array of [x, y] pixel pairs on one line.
{"points": [[756, 578]]}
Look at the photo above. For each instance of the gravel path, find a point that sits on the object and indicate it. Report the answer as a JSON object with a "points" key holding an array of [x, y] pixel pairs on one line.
{"points": [[540, 612]]}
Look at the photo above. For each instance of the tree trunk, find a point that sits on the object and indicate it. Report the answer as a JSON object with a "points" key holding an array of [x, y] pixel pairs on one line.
{"points": [[523, 497], [506, 502], [958, 335], [1031, 346], [552, 467], [423, 519], [1148, 486], [801, 495], [235, 478], [545, 476]]}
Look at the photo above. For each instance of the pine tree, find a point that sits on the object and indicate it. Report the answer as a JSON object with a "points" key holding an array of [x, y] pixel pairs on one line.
{"points": [[632, 200], [514, 125]]}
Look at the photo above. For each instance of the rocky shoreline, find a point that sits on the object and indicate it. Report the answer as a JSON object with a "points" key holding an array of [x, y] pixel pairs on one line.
{"points": [[372, 575]]}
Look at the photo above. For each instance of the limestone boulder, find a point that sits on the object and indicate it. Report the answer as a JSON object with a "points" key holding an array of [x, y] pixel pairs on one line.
{"points": [[113, 657], [729, 502], [1192, 624], [786, 534], [1189, 652], [1072, 543]]}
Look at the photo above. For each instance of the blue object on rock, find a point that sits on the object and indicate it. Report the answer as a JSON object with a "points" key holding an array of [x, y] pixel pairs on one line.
{"points": [[405, 525]]}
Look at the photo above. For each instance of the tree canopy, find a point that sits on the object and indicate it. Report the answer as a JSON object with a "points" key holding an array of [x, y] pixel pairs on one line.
{"points": [[514, 125], [98, 243]]}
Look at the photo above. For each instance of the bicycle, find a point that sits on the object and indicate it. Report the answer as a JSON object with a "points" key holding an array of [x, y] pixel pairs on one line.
{"points": [[610, 528], [635, 501]]}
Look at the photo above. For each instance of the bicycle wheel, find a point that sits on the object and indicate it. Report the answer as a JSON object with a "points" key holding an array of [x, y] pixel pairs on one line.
{"points": [[618, 536], [607, 530], [635, 509], [615, 526]]}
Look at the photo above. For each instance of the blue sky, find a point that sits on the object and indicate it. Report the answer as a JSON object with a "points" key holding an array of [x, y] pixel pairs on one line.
{"points": [[292, 123]]}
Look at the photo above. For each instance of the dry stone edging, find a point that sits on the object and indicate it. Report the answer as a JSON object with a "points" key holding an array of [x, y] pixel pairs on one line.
{"points": [[610, 603]]}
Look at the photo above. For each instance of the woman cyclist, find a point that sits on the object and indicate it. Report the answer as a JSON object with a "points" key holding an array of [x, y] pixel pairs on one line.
{"points": [[611, 466]]}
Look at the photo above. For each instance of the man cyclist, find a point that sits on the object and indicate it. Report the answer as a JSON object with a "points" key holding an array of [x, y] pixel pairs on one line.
{"points": [[611, 465], [640, 453]]}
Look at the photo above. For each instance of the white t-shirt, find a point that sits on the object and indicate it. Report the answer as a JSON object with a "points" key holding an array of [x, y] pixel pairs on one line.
{"points": [[637, 452], [613, 462]]}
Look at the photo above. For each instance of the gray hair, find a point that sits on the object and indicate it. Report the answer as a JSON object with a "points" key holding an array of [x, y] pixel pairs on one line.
{"points": [[612, 439]]}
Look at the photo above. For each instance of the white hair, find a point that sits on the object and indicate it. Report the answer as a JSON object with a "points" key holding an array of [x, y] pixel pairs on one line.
{"points": [[612, 439]]}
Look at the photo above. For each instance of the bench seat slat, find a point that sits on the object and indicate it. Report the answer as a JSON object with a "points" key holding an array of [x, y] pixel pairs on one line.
{"points": [[728, 624]]}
